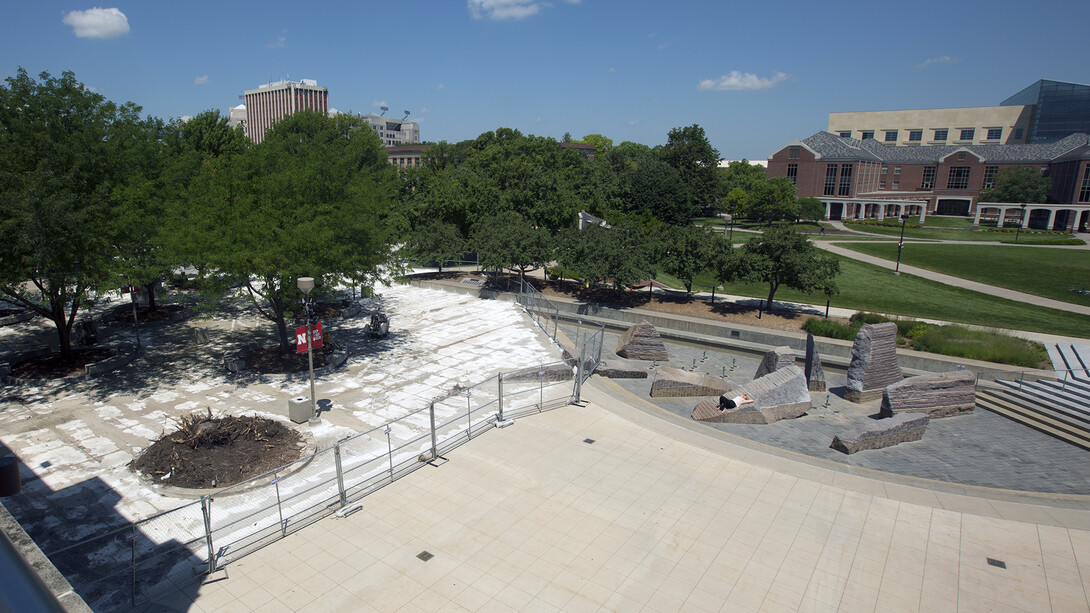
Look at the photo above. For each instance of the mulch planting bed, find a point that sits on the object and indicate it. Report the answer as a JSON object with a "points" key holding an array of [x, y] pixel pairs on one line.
{"points": [[207, 451], [54, 366], [271, 361]]}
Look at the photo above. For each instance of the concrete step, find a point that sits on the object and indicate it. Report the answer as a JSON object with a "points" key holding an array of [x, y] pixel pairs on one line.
{"points": [[1071, 359], [1000, 403], [1036, 396], [1070, 389]]}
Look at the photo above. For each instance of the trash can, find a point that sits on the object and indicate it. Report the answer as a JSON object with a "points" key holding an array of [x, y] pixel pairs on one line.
{"points": [[299, 409], [10, 483]]}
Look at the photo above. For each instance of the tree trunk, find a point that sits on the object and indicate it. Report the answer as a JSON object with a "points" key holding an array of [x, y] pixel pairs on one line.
{"points": [[64, 333], [150, 288], [771, 293], [281, 325]]}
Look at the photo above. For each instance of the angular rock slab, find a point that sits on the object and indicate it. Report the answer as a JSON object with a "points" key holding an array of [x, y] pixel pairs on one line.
{"points": [[815, 374], [775, 359], [938, 395], [874, 362], [880, 433], [642, 342], [781, 394], [677, 383]]}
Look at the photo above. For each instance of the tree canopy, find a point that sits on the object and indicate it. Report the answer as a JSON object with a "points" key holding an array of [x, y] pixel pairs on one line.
{"points": [[66, 156], [783, 257], [1018, 184]]}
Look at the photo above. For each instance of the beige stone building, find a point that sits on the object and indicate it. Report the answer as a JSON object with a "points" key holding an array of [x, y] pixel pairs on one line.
{"points": [[980, 125]]}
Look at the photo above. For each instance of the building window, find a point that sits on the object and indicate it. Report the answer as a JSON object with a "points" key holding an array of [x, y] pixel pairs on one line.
{"points": [[793, 152], [959, 178], [867, 134], [793, 173], [995, 133], [928, 181], [1018, 133], [915, 135], [885, 169], [881, 185], [940, 134], [896, 170], [896, 185], [967, 133], [846, 134], [830, 180], [989, 176], [891, 136], [1084, 193], [845, 180]]}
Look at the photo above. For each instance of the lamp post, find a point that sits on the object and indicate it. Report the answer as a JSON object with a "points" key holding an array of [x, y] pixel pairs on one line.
{"points": [[1020, 223], [305, 285], [900, 245]]}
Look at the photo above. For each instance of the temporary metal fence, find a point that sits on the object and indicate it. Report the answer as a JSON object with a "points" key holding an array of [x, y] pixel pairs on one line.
{"points": [[173, 549], [544, 313]]}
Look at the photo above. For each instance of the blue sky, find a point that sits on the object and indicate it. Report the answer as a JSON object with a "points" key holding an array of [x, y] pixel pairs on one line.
{"points": [[754, 75]]}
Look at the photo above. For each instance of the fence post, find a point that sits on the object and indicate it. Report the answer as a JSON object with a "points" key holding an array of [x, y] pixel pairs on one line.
{"points": [[434, 446], [340, 473], [556, 322], [579, 372], [132, 547], [206, 510], [499, 395]]}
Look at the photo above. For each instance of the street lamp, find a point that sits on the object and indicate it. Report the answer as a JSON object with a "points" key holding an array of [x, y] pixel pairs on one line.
{"points": [[305, 285], [901, 244], [1020, 223]]}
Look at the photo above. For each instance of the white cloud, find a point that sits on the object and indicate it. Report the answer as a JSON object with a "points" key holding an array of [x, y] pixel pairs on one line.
{"points": [[440, 86], [611, 69], [508, 9], [741, 81], [931, 61], [281, 41], [97, 23], [200, 80], [634, 122], [425, 109], [379, 104]]}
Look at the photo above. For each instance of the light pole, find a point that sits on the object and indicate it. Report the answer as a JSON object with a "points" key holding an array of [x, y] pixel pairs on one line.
{"points": [[1020, 223], [900, 245], [305, 285]]}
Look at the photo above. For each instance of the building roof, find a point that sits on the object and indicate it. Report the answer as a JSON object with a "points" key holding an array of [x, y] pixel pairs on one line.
{"points": [[830, 147]]}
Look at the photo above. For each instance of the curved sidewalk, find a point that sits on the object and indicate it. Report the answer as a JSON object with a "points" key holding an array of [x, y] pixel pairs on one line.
{"points": [[991, 290]]}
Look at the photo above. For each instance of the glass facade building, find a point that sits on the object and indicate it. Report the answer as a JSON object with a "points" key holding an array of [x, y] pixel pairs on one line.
{"points": [[1060, 109]]}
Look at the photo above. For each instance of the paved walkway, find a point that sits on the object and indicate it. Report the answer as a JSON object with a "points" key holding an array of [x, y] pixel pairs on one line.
{"points": [[607, 508]]}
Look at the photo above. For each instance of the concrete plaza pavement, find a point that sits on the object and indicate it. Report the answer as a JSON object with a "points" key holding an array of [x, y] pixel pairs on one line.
{"points": [[605, 507]]}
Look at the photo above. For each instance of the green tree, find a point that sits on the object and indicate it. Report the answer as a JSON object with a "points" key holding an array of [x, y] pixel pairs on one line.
{"points": [[507, 240], [771, 200], [1018, 184], [63, 153], [435, 241], [313, 199], [628, 254], [696, 161], [739, 174], [687, 251], [783, 257], [656, 187], [602, 144], [810, 209], [579, 251]]}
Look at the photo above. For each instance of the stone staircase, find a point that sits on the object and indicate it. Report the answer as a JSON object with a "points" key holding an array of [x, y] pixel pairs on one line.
{"points": [[1058, 405]]}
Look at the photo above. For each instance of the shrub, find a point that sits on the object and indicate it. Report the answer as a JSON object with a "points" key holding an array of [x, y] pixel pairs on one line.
{"points": [[862, 317], [830, 329], [962, 342]]}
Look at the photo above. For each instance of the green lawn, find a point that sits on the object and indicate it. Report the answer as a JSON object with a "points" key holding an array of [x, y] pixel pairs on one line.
{"points": [[935, 221], [864, 287], [955, 234], [1035, 270]]}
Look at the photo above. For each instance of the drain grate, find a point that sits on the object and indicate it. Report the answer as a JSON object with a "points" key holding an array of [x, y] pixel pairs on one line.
{"points": [[588, 441], [997, 563], [424, 555]]}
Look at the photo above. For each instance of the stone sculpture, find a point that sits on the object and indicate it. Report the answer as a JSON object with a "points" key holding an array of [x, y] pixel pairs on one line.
{"points": [[879, 433], [675, 383], [775, 359], [815, 374], [780, 394], [642, 342], [938, 395], [874, 362]]}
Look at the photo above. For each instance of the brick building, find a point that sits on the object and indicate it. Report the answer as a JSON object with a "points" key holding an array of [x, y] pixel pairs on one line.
{"points": [[861, 179]]}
